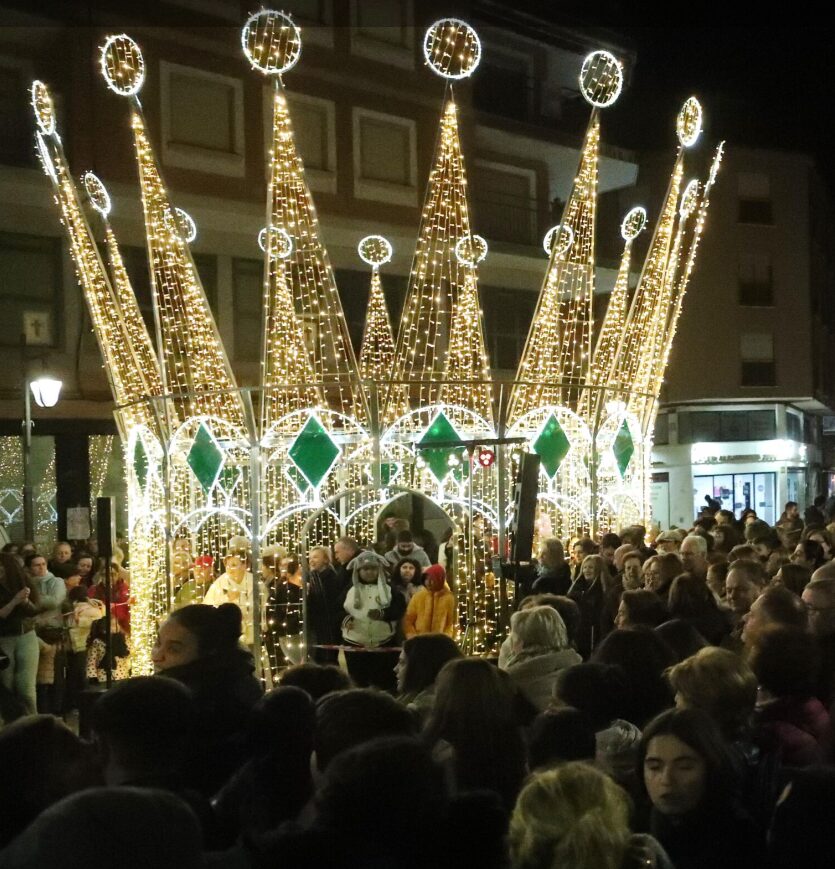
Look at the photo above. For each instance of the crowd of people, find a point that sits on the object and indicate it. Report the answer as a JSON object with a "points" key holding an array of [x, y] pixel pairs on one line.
{"points": [[657, 702]]}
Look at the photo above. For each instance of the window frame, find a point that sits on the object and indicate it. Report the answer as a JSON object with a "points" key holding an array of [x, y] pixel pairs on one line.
{"points": [[364, 44], [193, 157], [384, 191]]}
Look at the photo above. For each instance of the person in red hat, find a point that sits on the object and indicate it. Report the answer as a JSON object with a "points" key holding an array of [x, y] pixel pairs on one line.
{"points": [[432, 609]]}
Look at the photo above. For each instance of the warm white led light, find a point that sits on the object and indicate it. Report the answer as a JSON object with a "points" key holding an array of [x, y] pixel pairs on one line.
{"points": [[46, 157], [689, 122], [187, 226], [566, 239], [452, 48], [633, 223], [601, 79], [272, 42], [375, 250], [99, 197], [282, 243], [44, 107], [122, 65], [689, 199], [471, 250], [717, 162]]}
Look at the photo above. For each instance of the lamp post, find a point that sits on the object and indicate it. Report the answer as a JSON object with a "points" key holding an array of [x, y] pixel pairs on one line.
{"points": [[45, 391]]}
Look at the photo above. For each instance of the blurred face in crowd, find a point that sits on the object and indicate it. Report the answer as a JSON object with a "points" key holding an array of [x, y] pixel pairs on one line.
{"points": [[819, 538], [753, 622], [407, 571], [62, 553], [799, 557], [400, 671], [37, 567], [674, 775], [632, 572], [821, 608], [740, 592], [577, 554], [85, 566], [174, 647], [589, 569], [762, 551], [652, 575], [667, 546], [202, 573], [792, 512], [622, 617], [343, 552], [692, 558], [180, 563], [607, 553], [317, 559], [369, 573], [235, 567], [715, 582]]}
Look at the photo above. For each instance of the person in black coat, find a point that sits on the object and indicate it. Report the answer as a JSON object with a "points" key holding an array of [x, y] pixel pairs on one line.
{"points": [[199, 646], [554, 573], [326, 590]]}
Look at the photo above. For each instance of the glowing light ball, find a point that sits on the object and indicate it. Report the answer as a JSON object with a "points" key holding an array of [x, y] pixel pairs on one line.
{"points": [[280, 241], [43, 107], [186, 225], [272, 42], [563, 235], [471, 250], [122, 65], [375, 250], [633, 223], [689, 122], [99, 197], [452, 48], [601, 79]]}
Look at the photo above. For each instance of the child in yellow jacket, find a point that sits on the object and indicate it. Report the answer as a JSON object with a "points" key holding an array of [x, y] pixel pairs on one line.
{"points": [[432, 609]]}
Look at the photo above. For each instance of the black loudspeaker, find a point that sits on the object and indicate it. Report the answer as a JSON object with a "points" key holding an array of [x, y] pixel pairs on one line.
{"points": [[524, 508], [105, 527]]}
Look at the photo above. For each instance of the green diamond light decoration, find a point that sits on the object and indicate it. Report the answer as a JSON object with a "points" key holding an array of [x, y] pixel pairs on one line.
{"points": [[140, 463], [551, 445], [440, 430], [205, 458], [297, 479], [314, 452], [623, 448]]}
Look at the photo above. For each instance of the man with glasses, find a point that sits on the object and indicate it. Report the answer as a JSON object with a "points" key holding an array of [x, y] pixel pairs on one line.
{"points": [[819, 597]]}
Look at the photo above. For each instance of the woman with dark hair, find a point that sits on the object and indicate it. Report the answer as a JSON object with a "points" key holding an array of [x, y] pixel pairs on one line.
{"points": [[406, 575], [795, 577], [199, 646], [472, 729], [421, 659], [689, 781], [18, 642], [788, 716], [809, 553], [682, 638], [643, 657], [660, 571], [640, 607], [690, 599]]}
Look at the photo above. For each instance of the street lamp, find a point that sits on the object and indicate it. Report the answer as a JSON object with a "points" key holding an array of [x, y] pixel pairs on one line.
{"points": [[46, 391]]}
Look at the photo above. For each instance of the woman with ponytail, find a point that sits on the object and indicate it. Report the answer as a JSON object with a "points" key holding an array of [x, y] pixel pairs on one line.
{"points": [[199, 646]]}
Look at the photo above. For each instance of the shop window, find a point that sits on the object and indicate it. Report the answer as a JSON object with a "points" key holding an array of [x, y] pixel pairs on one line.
{"points": [[507, 319], [794, 427]]}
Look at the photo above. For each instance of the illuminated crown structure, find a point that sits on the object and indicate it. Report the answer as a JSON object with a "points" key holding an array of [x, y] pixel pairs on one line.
{"points": [[329, 440]]}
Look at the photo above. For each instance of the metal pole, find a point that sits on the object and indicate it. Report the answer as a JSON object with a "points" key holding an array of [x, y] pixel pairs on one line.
{"points": [[28, 501], [255, 500]]}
